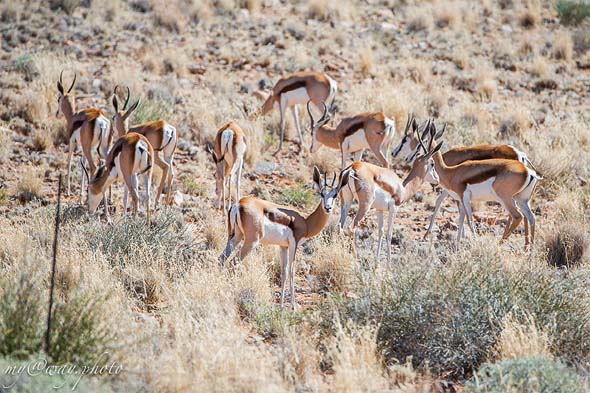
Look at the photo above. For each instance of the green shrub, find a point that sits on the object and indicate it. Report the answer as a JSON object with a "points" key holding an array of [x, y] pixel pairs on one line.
{"points": [[150, 110], [21, 316], [527, 375], [79, 333], [167, 238], [299, 196], [448, 318], [25, 64], [572, 12]]}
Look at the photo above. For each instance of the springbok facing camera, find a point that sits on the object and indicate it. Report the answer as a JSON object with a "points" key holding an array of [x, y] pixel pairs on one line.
{"points": [[298, 89], [227, 152], [252, 221], [508, 182], [381, 189], [131, 155], [89, 128], [162, 136], [371, 130]]}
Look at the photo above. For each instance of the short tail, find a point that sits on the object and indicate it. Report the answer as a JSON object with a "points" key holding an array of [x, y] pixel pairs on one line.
{"points": [[227, 141], [332, 94]]}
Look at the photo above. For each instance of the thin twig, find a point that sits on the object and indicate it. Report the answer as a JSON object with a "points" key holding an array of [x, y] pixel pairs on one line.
{"points": [[53, 268]]}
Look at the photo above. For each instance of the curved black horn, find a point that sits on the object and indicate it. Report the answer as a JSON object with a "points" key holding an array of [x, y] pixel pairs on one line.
{"points": [[334, 179], [85, 170], [72, 85], [128, 96], [420, 138], [310, 115], [61, 74]]}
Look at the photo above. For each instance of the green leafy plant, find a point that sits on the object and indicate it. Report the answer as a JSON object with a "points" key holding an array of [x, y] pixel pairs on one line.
{"points": [[573, 12]]}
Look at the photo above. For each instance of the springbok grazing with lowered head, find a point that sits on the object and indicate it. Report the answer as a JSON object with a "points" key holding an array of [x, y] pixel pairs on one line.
{"points": [[254, 221], [458, 155], [371, 130], [506, 181], [162, 136], [89, 128], [131, 155], [298, 89], [381, 189], [227, 152]]}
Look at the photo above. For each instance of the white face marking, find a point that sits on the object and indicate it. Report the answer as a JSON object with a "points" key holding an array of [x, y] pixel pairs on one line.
{"points": [[328, 199], [59, 112], [431, 175]]}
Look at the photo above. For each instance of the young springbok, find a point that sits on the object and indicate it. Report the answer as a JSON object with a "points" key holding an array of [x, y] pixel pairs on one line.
{"points": [[131, 155], [459, 155], [298, 89], [371, 130], [508, 182], [89, 128], [254, 221], [227, 152], [162, 136], [381, 189]]}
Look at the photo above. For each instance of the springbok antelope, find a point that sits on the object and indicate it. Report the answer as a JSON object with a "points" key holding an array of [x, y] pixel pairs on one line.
{"points": [[227, 152], [162, 136], [298, 89], [508, 182], [131, 155], [459, 155], [89, 128], [408, 146], [254, 221], [371, 130], [381, 189]]}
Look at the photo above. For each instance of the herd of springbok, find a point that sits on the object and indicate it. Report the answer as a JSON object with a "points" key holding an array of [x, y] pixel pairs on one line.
{"points": [[498, 173]]}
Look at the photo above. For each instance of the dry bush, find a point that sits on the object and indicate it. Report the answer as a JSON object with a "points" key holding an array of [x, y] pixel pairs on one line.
{"points": [[539, 67], [563, 47], [446, 16], [486, 85], [5, 144], [29, 185], [567, 245], [420, 71], [330, 10], [581, 40], [298, 360], [366, 62], [527, 46], [419, 19], [515, 124], [530, 17], [169, 15], [332, 262], [41, 140], [460, 59], [520, 340]]}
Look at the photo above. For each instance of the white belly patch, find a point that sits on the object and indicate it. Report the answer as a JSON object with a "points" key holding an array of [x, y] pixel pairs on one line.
{"points": [[276, 233], [356, 142], [296, 97], [382, 199]]}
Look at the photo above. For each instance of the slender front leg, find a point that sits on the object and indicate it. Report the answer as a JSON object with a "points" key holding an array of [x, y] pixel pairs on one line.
{"points": [[461, 221], [439, 202], [83, 178], [295, 112], [170, 178], [239, 179], [125, 199], [468, 211], [392, 211], [147, 180], [380, 235], [283, 125], [71, 149], [284, 270], [292, 251]]}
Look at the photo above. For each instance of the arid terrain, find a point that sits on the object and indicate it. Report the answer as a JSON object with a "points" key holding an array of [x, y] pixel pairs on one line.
{"points": [[480, 317]]}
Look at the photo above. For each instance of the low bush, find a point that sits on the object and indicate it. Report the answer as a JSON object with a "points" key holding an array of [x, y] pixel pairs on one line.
{"points": [[299, 196], [573, 12], [449, 318], [566, 246], [525, 375]]}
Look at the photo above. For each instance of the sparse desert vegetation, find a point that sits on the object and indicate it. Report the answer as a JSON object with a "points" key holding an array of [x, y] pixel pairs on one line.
{"points": [[480, 316]]}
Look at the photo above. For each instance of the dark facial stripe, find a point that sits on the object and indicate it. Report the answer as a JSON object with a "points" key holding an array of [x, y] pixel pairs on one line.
{"points": [[293, 86], [402, 143]]}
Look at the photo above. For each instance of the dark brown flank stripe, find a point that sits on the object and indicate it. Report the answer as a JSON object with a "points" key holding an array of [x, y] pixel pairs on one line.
{"points": [[482, 176], [354, 128], [293, 86]]}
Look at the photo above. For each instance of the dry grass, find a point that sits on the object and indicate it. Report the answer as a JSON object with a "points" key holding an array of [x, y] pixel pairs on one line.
{"points": [[518, 340], [515, 124], [530, 17], [539, 67], [5, 144], [366, 62], [563, 47], [29, 185], [446, 17]]}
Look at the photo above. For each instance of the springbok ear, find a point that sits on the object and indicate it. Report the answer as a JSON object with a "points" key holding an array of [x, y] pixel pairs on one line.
{"points": [[60, 87], [441, 132], [344, 177], [116, 103], [317, 177]]}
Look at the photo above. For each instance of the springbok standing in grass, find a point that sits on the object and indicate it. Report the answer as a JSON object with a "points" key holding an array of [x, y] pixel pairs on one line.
{"points": [[131, 155], [162, 136], [254, 221], [381, 189], [508, 182], [459, 155], [89, 128], [371, 130], [227, 152], [298, 89]]}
